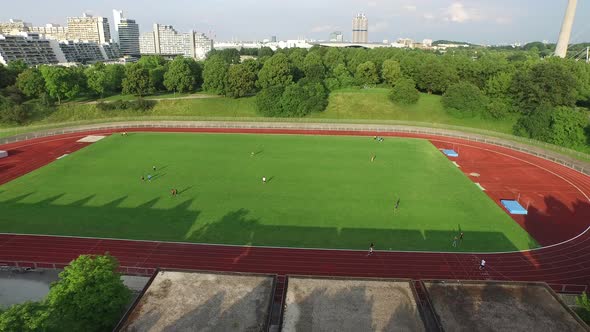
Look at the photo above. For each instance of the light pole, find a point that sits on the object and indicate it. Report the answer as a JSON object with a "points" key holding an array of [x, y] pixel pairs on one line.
{"points": [[566, 29]]}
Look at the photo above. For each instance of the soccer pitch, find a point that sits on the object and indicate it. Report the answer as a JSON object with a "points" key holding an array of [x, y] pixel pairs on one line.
{"points": [[321, 192]]}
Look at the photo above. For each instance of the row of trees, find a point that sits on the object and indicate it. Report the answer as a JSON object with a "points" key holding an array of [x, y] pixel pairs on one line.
{"points": [[89, 296], [491, 83]]}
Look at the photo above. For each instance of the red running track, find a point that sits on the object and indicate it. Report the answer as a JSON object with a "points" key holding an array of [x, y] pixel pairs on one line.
{"points": [[559, 211]]}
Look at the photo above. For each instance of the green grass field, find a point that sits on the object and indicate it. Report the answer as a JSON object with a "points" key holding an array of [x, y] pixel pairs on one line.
{"points": [[322, 192]]}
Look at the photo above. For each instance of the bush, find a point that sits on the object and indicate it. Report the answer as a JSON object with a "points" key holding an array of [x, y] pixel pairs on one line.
{"points": [[267, 101], [404, 92], [567, 127], [14, 113], [464, 99], [535, 125], [584, 307], [497, 109], [562, 126], [119, 105]]}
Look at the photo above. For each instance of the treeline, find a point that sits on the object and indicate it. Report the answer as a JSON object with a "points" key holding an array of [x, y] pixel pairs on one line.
{"points": [[550, 96]]}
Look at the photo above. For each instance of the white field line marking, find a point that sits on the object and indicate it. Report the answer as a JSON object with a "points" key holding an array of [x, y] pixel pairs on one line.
{"points": [[62, 156], [480, 186], [299, 248]]}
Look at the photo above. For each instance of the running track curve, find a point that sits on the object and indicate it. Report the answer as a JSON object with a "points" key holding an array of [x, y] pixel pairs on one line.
{"points": [[558, 198]]}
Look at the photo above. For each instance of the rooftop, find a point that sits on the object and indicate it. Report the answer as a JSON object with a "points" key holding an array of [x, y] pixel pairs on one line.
{"points": [[202, 301], [331, 304], [494, 306]]}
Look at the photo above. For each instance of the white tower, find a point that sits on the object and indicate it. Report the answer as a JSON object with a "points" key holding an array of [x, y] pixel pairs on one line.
{"points": [[360, 29], [566, 29]]}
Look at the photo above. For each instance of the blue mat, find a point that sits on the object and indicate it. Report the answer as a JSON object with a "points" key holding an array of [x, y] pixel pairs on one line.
{"points": [[450, 153], [513, 207]]}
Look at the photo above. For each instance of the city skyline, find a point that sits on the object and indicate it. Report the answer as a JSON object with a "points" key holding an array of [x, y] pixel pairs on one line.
{"points": [[478, 21]]}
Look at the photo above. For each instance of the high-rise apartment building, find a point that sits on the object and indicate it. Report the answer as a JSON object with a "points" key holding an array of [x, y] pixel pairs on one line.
{"points": [[117, 17], [51, 31], [89, 28], [27, 47], [14, 26], [165, 40], [360, 29]]}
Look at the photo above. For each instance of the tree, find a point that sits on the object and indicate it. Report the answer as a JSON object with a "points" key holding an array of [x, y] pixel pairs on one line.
{"points": [[151, 61], [230, 56], [275, 71], [316, 96], [97, 79], [293, 101], [137, 80], [434, 77], [90, 295], [215, 74], [567, 127], [265, 52], [545, 83], [25, 317], [464, 99], [313, 67], [404, 92], [536, 125], [497, 108], [14, 112], [296, 60], [354, 57], [31, 83], [9, 73], [115, 76], [62, 82], [333, 58], [366, 74], [268, 101], [498, 86], [343, 76], [181, 75], [391, 72], [241, 79]]}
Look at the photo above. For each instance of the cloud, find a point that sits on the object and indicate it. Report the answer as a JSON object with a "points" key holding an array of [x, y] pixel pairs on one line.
{"points": [[324, 28], [458, 13], [410, 8], [379, 26]]}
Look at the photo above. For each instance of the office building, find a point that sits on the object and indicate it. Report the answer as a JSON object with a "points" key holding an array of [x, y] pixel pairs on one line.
{"points": [[27, 47], [336, 36], [273, 39], [360, 29], [165, 40], [128, 37], [90, 28]]}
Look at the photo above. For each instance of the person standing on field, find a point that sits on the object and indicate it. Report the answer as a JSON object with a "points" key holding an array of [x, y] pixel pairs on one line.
{"points": [[264, 179]]}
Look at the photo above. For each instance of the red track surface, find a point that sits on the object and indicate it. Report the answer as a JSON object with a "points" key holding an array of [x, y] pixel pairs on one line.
{"points": [[559, 210]]}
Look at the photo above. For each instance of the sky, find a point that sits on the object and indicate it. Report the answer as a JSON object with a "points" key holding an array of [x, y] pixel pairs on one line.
{"points": [[476, 21]]}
